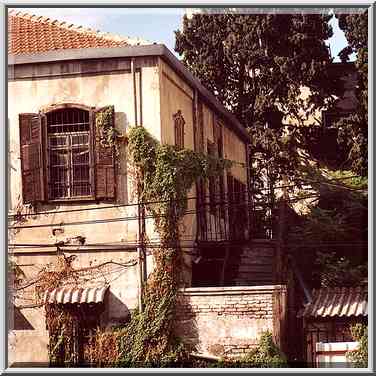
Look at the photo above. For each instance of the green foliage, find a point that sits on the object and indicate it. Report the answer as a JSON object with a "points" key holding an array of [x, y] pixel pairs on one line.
{"points": [[332, 236], [359, 333], [353, 129], [165, 175], [168, 173], [265, 355], [106, 132], [255, 64], [337, 271]]}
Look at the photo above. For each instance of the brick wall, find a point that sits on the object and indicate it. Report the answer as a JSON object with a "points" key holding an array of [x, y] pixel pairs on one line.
{"points": [[229, 320]]}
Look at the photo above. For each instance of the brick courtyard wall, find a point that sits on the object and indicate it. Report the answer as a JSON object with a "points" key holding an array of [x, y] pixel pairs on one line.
{"points": [[228, 321]]}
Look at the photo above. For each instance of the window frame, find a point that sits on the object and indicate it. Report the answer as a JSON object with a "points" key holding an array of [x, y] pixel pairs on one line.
{"points": [[179, 133], [46, 151], [34, 156]]}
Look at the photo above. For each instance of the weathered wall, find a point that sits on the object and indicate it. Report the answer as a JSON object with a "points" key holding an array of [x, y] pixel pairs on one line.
{"points": [[229, 320], [177, 95], [97, 90], [28, 340], [42, 86]]}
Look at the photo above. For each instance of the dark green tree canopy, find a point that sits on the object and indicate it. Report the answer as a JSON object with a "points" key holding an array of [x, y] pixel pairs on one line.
{"points": [[353, 129], [256, 65], [252, 61]]}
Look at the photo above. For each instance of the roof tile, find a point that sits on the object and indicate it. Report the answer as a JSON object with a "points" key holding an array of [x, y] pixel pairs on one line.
{"points": [[342, 302], [30, 34]]}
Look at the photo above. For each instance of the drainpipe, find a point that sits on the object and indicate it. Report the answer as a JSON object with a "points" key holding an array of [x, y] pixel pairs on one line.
{"points": [[249, 195], [133, 71], [139, 212]]}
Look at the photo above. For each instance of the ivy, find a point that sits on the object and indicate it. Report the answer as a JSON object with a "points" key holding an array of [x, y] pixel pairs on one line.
{"points": [[107, 134], [165, 175]]}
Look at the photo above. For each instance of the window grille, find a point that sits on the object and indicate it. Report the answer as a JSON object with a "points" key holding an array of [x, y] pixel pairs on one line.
{"points": [[69, 157]]}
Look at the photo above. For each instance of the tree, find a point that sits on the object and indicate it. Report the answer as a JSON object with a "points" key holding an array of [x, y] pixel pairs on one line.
{"points": [[256, 64], [329, 243], [353, 129]]}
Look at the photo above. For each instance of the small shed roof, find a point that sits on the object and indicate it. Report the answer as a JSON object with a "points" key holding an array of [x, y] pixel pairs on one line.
{"points": [[337, 302], [64, 295]]}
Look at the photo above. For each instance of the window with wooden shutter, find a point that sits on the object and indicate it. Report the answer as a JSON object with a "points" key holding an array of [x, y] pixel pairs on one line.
{"points": [[64, 154], [31, 158], [104, 154]]}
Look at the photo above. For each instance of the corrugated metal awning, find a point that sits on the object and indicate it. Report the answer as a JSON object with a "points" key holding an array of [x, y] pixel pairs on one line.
{"points": [[338, 301], [72, 295]]}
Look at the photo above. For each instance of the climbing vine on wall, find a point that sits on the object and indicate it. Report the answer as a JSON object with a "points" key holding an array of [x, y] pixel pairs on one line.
{"points": [[107, 134], [165, 176]]}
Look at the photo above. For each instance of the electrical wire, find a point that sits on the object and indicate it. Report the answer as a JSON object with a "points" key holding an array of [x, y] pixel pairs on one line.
{"points": [[18, 216]]}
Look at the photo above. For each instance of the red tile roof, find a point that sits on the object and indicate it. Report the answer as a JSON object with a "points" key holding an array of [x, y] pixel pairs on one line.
{"points": [[30, 34]]}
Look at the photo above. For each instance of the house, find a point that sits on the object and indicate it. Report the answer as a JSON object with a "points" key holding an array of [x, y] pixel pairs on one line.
{"points": [[73, 203]]}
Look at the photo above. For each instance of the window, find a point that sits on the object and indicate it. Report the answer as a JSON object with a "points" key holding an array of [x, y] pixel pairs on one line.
{"points": [[69, 173], [216, 184], [212, 182], [179, 129], [62, 157], [237, 208], [219, 138]]}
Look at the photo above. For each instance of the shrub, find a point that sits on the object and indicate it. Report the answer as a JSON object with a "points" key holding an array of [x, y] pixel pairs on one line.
{"points": [[359, 357]]}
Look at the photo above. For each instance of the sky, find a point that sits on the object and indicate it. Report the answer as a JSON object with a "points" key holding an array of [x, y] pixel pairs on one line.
{"points": [[152, 24]]}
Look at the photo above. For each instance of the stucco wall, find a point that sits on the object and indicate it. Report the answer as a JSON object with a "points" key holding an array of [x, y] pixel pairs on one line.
{"points": [[30, 96], [228, 320], [177, 95], [28, 339], [95, 89]]}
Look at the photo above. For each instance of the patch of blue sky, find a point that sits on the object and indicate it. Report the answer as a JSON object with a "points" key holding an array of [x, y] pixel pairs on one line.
{"points": [[151, 24]]}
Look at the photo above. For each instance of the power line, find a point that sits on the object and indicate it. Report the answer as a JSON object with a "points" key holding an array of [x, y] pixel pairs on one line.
{"points": [[131, 218], [253, 207], [163, 201]]}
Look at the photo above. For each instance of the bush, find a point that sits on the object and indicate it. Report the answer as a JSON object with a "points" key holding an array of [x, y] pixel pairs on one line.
{"points": [[265, 355], [359, 357]]}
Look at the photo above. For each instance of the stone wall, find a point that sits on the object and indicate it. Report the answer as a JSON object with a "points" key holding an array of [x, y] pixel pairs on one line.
{"points": [[229, 320]]}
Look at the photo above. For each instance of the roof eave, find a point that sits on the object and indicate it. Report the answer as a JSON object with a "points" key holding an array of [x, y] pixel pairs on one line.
{"points": [[159, 50]]}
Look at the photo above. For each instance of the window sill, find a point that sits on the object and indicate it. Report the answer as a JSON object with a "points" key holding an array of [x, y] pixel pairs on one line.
{"points": [[73, 199]]}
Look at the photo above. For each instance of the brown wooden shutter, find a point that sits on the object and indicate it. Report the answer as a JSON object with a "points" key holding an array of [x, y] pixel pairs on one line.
{"points": [[32, 161], [104, 158]]}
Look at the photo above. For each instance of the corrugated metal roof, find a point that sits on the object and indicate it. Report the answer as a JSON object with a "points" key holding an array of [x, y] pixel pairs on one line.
{"points": [[64, 295], [338, 301]]}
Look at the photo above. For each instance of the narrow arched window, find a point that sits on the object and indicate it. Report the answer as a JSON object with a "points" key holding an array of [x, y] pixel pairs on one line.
{"points": [[179, 123]]}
